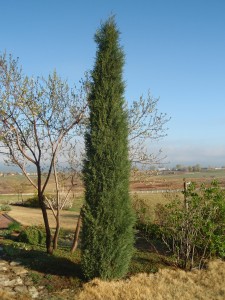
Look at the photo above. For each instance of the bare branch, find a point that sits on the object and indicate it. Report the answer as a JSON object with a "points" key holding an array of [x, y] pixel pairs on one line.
{"points": [[19, 164], [51, 206], [145, 123]]}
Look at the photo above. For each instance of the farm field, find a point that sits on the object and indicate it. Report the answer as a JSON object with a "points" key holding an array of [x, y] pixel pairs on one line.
{"points": [[144, 188], [19, 185], [140, 180]]}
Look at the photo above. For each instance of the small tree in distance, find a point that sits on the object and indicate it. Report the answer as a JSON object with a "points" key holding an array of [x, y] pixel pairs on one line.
{"points": [[107, 235]]}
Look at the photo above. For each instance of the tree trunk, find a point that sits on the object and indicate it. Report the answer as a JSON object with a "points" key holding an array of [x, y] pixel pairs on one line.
{"points": [[41, 199], [57, 230], [77, 232], [47, 227]]}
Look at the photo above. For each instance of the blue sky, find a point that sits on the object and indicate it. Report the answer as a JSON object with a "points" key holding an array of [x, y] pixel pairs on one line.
{"points": [[175, 49]]}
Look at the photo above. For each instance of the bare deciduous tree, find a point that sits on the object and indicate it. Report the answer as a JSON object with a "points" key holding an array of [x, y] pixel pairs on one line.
{"points": [[36, 116]]}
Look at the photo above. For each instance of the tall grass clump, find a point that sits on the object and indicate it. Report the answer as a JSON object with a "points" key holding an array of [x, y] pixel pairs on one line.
{"points": [[166, 284]]}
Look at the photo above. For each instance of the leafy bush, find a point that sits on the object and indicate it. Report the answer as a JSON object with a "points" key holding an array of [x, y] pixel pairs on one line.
{"points": [[32, 202], [5, 207], [14, 226], [193, 230], [33, 235]]}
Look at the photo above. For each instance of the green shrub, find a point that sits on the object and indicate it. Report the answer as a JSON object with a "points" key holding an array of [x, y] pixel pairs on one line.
{"points": [[193, 230], [33, 235], [14, 226], [5, 207], [32, 202]]}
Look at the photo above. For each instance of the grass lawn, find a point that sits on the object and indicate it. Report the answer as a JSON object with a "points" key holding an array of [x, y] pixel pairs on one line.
{"points": [[8, 198], [60, 274], [33, 216], [53, 272], [62, 270]]}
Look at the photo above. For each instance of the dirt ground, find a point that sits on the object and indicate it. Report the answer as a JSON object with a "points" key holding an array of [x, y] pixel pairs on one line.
{"points": [[141, 181]]}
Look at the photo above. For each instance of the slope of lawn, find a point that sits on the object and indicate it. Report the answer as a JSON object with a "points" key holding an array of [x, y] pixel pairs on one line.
{"points": [[33, 216]]}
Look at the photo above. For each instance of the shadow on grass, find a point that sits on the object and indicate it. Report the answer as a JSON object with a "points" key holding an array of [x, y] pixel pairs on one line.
{"points": [[66, 265], [38, 260]]}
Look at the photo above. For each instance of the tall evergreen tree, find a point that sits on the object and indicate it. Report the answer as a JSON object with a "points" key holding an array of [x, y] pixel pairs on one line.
{"points": [[107, 235]]}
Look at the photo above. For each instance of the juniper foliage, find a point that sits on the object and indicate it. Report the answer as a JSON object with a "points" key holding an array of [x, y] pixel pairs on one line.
{"points": [[108, 219]]}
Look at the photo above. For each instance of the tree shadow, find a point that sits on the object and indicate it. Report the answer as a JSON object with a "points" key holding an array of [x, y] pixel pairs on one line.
{"points": [[38, 260]]}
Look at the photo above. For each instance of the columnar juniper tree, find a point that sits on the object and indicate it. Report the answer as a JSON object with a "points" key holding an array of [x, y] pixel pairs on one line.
{"points": [[107, 235]]}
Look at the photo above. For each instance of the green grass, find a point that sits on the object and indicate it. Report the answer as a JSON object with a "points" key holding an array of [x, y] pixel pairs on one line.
{"points": [[6, 199], [54, 272], [14, 226], [77, 203], [62, 270], [63, 263], [146, 262]]}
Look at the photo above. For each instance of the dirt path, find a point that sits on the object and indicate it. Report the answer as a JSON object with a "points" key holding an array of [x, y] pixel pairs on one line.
{"points": [[33, 216]]}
